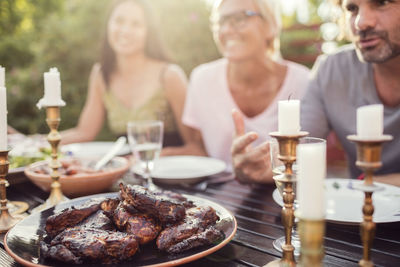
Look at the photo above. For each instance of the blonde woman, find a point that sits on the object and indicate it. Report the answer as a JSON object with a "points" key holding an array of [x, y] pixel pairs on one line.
{"points": [[250, 78]]}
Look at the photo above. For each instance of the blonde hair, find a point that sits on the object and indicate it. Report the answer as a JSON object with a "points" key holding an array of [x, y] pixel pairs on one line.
{"points": [[270, 12]]}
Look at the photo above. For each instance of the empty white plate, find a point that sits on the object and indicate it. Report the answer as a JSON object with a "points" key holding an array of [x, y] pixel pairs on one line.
{"points": [[344, 203], [184, 169], [92, 149]]}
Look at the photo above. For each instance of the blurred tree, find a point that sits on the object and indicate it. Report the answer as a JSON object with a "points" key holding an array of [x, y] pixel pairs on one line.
{"points": [[67, 34], [186, 31], [39, 34], [20, 19]]}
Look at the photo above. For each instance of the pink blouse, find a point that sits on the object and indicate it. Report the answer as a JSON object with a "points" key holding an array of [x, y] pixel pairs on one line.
{"points": [[209, 105]]}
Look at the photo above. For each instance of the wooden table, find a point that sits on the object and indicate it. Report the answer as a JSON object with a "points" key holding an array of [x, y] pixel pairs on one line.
{"points": [[259, 223]]}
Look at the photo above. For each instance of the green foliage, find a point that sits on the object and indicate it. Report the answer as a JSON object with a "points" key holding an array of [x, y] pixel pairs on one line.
{"points": [[39, 34], [67, 35], [186, 31]]}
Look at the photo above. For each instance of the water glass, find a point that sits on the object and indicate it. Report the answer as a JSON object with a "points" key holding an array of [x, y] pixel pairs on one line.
{"points": [[145, 139]]}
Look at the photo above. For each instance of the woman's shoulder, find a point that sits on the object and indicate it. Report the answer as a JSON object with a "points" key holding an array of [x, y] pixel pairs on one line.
{"points": [[211, 67], [96, 77], [95, 73], [171, 76], [172, 71], [96, 69], [209, 71]]}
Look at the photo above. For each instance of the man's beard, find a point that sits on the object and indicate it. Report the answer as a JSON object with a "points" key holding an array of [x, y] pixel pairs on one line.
{"points": [[384, 51]]}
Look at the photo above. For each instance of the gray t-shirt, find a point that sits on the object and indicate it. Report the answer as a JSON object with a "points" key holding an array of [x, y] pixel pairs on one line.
{"points": [[340, 83]]}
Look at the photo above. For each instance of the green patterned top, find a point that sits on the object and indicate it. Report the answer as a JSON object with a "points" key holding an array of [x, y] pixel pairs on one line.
{"points": [[156, 108]]}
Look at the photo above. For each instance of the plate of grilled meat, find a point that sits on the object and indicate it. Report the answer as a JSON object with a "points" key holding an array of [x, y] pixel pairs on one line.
{"points": [[135, 227]]}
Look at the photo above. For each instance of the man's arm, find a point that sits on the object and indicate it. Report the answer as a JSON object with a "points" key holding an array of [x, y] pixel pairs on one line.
{"points": [[313, 113]]}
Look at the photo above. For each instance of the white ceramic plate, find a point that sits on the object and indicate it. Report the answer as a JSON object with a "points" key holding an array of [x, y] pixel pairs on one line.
{"points": [[344, 203], [92, 149], [184, 169]]}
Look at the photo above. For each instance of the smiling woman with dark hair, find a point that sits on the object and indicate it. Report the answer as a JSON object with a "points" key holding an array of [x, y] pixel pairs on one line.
{"points": [[133, 80]]}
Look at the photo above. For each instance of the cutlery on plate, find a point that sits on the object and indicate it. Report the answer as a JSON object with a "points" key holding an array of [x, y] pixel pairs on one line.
{"points": [[202, 186], [110, 154]]}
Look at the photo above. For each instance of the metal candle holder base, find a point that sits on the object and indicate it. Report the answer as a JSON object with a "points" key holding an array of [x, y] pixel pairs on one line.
{"points": [[54, 138], [312, 234], [287, 154], [6, 219], [368, 160]]}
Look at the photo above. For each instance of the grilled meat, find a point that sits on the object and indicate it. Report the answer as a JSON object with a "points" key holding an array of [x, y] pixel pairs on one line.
{"points": [[143, 226], [70, 217], [195, 230], [88, 233], [165, 209], [77, 245], [59, 252], [56, 223], [206, 237], [98, 220], [176, 196], [109, 204]]}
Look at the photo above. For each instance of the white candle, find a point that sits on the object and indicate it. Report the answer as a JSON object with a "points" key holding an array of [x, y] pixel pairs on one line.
{"points": [[52, 86], [52, 89], [289, 117], [3, 119], [370, 121], [311, 164], [2, 77]]}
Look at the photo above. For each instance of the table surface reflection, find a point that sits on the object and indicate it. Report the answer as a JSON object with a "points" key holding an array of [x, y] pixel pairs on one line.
{"points": [[259, 223]]}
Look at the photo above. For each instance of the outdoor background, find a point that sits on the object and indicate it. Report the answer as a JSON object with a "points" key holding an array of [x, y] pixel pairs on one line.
{"points": [[38, 34]]}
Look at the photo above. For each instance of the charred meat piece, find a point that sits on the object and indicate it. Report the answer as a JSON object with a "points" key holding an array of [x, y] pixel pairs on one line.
{"points": [[143, 226], [71, 217], [176, 196], [98, 220], [59, 252], [109, 205], [77, 245], [207, 237], [165, 209], [204, 216], [197, 221]]}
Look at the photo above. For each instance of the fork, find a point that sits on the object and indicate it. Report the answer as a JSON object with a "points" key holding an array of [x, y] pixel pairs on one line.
{"points": [[202, 186]]}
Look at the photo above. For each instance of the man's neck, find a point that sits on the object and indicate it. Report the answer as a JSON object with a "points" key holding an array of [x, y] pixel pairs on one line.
{"points": [[387, 81]]}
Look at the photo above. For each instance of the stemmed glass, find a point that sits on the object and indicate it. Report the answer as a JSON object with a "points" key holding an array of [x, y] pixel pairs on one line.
{"points": [[145, 139], [278, 168]]}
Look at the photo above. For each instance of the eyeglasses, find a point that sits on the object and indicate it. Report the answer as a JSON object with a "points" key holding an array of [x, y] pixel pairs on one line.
{"points": [[236, 20]]}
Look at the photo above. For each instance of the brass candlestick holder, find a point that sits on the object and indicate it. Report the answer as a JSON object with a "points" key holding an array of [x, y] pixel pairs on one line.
{"points": [[368, 160], [6, 219], [312, 232], [287, 154], [54, 138]]}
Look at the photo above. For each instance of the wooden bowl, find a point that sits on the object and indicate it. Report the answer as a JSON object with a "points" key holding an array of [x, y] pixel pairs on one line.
{"points": [[82, 183]]}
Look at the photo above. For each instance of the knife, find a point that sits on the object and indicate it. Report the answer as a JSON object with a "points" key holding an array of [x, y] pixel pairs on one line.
{"points": [[110, 154]]}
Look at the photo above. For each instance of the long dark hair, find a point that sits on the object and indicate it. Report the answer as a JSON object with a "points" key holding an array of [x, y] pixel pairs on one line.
{"points": [[154, 47]]}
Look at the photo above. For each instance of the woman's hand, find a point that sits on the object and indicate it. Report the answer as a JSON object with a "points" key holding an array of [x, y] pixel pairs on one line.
{"points": [[249, 164]]}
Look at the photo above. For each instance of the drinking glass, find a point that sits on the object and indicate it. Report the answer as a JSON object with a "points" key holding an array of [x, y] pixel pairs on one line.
{"points": [[145, 139], [278, 168]]}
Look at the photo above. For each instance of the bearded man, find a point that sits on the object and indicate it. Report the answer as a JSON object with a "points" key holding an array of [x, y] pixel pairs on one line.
{"points": [[363, 73]]}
